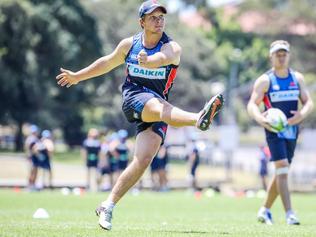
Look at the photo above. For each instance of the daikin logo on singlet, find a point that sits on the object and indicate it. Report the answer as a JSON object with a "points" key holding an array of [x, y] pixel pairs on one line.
{"points": [[149, 73], [288, 95]]}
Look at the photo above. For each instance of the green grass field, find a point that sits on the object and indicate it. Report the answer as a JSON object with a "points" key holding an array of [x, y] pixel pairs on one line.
{"points": [[148, 214]]}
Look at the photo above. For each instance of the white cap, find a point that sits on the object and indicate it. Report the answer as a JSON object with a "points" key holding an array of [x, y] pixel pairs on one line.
{"points": [[279, 46]]}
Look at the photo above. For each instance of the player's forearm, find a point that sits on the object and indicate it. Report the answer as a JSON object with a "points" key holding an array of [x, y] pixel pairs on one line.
{"points": [[97, 68], [307, 109], [254, 111], [157, 60]]}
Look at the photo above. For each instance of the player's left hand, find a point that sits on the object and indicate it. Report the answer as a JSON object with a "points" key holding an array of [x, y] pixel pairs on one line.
{"points": [[296, 119], [142, 57], [67, 78]]}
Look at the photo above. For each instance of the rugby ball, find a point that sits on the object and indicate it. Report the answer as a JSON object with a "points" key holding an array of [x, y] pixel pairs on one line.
{"points": [[277, 119]]}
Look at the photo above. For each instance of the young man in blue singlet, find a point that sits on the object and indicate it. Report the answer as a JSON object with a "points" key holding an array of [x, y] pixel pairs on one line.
{"points": [[152, 59], [122, 150], [45, 148], [30, 150], [264, 158], [158, 170], [91, 148], [194, 161], [281, 88]]}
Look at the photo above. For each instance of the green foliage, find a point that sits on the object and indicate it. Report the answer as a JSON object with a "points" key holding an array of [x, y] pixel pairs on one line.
{"points": [[287, 10], [37, 38]]}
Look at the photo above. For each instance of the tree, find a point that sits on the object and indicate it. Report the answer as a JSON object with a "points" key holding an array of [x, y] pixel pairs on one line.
{"points": [[36, 38]]}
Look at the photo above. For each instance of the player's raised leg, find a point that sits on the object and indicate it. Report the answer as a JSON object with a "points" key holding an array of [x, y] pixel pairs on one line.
{"points": [[160, 110]]}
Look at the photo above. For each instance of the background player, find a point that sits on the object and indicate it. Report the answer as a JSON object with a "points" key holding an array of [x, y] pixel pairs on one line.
{"points": [[282, 88]]}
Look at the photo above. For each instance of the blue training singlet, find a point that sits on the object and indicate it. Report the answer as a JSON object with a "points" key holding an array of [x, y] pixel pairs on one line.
{"points": [[160, 79], [283, 94], [122, 150], [92, 147]]}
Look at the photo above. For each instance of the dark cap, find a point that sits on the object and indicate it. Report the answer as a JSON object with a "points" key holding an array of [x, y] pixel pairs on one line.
{"points": [[149, 6]]}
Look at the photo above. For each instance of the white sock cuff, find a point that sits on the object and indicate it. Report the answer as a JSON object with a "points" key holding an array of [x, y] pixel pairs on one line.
{"points": [[263, 208], [108, 204]]}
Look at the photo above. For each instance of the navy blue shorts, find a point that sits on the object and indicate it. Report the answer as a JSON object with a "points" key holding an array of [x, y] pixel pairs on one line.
{"points": [[154, 166], [122, 164], [113, 167], [281, 148], [104, 170], [158, 164], [263, 170], [44, 164], [34, 160], [134, 99], [92, 163], [164, 162]]}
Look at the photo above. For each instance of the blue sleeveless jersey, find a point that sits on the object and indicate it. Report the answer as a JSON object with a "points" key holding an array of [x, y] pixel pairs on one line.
{"points": [[159, 80], [122, 150], [283, 94]]}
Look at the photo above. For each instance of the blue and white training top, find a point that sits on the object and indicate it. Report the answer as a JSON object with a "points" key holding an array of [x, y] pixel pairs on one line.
{"points": [[122, 150], [283, 94], [160, 79], [92, 147]]}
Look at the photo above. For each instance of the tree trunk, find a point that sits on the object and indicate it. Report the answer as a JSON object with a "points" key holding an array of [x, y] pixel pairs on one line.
{"points": [[19, 137]]}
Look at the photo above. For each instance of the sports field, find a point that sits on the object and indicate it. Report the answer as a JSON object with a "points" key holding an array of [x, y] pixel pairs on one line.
{"points": [[148, 214]]}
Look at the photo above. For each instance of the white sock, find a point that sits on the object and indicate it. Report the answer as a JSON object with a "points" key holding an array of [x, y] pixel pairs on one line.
{"points": [[264, 209], [289, 212], [109, 205]]}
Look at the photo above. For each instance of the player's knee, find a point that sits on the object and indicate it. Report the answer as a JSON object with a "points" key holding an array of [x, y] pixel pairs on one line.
{"points": [[281, 163], [282, 171], [166, 112], [144, 161], [152, 110]]}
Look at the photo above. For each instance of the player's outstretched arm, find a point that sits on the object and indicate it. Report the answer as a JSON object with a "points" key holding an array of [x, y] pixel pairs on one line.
{"points": [[97, 68], [306, 100], [170, 54], [260, 88]]}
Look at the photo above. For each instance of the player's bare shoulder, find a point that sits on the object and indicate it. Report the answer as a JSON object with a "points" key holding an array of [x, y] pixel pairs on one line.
{"points": [[299, 76], [174, 49], [175, 46], [172, 45], [125, 45], [262, 83]]}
